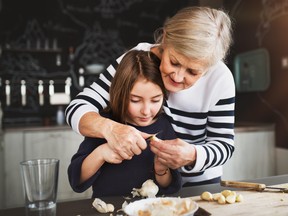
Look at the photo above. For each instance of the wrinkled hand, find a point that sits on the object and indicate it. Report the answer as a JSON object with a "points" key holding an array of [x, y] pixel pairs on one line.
{"points": [[125, 140], [173, 153]]}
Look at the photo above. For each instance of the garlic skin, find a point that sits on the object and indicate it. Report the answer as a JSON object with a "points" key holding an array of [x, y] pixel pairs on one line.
{"points": [[102, 207], [149, 189]]}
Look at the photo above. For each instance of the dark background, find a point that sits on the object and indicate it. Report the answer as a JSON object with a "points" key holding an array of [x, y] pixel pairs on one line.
{"points": [[34, 33], [93, 31]]}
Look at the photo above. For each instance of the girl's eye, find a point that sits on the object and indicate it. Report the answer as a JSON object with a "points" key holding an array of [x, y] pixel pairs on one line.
{"points": [[156, 101], [134, 101]]}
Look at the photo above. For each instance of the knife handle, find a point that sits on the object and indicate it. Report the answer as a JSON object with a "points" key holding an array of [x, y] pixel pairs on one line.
{"points": [[248, 185]]}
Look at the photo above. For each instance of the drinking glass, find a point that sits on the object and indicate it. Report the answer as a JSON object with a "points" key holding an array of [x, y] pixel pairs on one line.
{"points": [[40, 183]]}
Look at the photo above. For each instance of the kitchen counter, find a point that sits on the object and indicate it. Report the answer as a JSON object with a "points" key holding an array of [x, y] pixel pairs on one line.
{"points": [[37, 128], [253, 126], [84, 207]]}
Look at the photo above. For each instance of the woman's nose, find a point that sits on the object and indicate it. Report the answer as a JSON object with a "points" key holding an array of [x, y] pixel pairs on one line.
{"points": [[178, 76]]}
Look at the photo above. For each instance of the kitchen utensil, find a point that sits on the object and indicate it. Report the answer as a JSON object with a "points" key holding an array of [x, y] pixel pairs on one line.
{"points": [[150, 137], [250, 185]]}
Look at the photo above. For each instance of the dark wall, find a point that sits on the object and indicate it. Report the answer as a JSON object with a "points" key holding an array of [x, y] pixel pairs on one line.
{"points": [[263, 24], [52, 40]]}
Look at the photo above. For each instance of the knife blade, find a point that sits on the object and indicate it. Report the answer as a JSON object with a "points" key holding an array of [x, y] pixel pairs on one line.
{"points": [[250, 185], [150, 137]]}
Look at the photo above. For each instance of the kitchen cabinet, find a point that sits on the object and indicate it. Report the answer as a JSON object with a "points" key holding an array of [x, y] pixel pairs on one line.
{"points": [[54, 142], [254, 155]]}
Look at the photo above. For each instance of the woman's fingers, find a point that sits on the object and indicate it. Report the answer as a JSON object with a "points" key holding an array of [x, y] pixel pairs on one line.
{"points": [[126, 141], [174, 153]]}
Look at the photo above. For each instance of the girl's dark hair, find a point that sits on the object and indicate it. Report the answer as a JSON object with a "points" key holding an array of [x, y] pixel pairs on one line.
{"points": [[134, 65]]}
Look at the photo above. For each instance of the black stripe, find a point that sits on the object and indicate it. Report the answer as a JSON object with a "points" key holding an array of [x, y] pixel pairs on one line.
{"points": [[207, 159], [115, 65], [188, 114], [213, 134], [186, 125], [221, 113], [90, 100], [226, 101], [220, 125], [103, 85], [191, 174], [190, 137], [212, 164], [75, 107]]}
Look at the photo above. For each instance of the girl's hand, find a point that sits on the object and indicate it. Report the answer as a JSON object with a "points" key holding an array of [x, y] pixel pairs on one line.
{"points": [[109, 155], [159, 168]]}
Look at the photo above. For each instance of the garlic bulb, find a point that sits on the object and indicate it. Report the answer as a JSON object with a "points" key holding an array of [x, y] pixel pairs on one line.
{"points": [[148, 189]]}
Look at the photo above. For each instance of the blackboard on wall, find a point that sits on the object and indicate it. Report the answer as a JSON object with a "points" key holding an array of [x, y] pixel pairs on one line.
{"points": [[55, 39]]}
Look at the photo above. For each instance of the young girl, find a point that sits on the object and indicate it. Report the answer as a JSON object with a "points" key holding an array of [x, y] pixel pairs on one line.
{"points": [[136, 98]]}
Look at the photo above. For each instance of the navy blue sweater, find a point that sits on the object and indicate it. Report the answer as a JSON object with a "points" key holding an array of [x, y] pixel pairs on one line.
{"points": [[120, 179]]}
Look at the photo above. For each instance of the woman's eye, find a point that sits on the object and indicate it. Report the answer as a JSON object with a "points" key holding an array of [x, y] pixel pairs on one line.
{"points": [[174, 63], [192, 72]]}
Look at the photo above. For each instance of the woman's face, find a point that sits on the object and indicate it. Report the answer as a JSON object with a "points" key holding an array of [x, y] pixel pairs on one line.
{"points": [[179, 72], [146, 100]]}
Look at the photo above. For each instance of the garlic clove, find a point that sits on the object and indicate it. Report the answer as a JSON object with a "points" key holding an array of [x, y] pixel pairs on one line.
{"points": [[102, 207], [207, 196]]}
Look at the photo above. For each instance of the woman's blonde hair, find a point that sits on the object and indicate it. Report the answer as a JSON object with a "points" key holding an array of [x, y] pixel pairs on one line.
{"points": [[136, 64], [200, 33]]}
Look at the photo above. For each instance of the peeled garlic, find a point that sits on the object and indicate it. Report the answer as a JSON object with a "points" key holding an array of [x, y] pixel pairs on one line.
{"points": [[226, 196], [155, 138], [231, 199], [226, 193], [221, 199], [216, 196], [149, 189], [102, 207], [239, 198], [207, 196]]}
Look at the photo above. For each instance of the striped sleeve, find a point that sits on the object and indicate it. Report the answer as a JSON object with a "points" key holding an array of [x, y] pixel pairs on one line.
{"points": [[92, 99], [95, 97]]}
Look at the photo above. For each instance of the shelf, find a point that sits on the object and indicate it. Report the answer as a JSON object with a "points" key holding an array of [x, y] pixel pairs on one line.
{"points": [[42, 50]]}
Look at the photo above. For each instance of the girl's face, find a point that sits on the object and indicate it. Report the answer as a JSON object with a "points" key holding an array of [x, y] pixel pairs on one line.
{"points": [[146, 100], [179, 72]]}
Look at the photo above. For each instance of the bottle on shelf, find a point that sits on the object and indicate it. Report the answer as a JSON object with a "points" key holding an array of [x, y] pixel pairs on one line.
{"points": [[60, 117]]}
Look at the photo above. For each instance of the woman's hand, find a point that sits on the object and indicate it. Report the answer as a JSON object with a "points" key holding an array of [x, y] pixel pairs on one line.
{"points": [[124, 140], [174, 153]]}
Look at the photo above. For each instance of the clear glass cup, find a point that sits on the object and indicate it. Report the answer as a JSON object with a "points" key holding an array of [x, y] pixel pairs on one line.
{"points": [[40, 183]]}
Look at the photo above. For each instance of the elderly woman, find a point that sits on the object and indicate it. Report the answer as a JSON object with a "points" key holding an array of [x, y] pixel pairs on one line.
{"points": [[192, 46]]}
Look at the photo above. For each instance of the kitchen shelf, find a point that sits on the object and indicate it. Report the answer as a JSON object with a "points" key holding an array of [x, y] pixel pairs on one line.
{"points": [[33, 50]]}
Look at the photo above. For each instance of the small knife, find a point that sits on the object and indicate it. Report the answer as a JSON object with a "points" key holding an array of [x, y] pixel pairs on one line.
{"points": [[250, 185], [150, 137]]}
